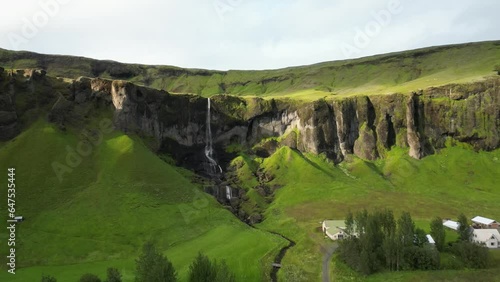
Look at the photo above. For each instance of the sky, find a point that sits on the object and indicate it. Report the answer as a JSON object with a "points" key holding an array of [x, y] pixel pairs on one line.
{"points": [[241, 34]]}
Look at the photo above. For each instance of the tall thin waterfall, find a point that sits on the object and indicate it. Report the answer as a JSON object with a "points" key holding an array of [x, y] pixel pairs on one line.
{"points": [[209, 143]]}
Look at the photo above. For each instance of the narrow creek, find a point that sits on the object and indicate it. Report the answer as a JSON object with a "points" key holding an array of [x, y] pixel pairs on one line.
{"points": [[279, 257]]}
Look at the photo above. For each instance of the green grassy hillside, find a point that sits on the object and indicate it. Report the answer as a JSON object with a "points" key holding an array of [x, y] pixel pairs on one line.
{"points": [[455, 180], [120, 196], [389, 73]]}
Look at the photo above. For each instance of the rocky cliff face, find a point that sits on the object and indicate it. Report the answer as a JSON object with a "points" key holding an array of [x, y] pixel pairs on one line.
{"points": [[366, 126]]}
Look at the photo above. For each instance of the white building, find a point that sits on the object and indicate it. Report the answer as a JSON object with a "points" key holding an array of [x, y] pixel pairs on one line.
{"points": [[488, 237], [451, 224], [334, 229], [430, 240], [485, 223]]}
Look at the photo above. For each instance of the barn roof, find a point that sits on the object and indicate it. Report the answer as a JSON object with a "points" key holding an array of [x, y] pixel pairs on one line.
{"points": [[451, 224], [484, 235], [482, 220]]}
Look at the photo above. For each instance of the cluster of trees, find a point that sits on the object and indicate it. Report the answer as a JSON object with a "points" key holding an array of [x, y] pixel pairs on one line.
{"points": [[152, 266], [379, 242]]}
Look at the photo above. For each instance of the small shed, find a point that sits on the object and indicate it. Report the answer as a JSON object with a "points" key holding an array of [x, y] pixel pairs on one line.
{"points": [[430, 240], [451, 224]]}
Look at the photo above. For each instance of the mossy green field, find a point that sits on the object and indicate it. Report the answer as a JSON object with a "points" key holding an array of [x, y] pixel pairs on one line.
{"points": [[117, 198]]}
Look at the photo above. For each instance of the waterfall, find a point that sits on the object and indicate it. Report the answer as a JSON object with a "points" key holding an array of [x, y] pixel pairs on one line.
{"points": [[209, 151]]}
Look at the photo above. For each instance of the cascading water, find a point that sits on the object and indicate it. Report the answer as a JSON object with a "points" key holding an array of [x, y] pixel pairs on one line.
{"points": [[209, 151]]}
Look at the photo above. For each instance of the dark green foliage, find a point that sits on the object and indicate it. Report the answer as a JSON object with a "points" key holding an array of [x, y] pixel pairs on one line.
{"points": [[420, 237], [224, 274], [463, 228], [204, 270], [48, 278], [497, 69], [349, 223], [113, 275], [383, 243], [89, 277], [471, 254], [152, 266], [438, 233], [422, 258]]}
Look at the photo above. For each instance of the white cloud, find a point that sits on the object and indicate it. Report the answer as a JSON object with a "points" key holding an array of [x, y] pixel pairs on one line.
{"points": [[252, 34]]}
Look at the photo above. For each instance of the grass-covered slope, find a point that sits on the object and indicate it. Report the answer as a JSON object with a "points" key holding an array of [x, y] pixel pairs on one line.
{"points": [[455, 180], [118, 197], [389, 73]]}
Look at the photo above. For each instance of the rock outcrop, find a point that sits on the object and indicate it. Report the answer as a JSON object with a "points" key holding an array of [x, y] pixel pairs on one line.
{"points": [[366, 126]]}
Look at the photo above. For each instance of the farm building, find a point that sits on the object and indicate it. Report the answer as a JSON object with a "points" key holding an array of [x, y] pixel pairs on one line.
{"points": [[488, 237], [451, 224], [430, 240], [484, 223], [334, 229]]}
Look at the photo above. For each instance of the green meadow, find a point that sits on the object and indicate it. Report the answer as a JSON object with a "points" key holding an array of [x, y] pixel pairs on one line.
{"points": [[119, 196], [455, 180]]}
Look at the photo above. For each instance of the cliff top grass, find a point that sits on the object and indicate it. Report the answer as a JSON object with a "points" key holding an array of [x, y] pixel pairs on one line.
{"points": [[399, 72]]}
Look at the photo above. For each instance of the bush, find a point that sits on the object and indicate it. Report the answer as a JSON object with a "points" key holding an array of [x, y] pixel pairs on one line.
{"points": [[89, 277], [471, 254], [48, 278], [113, 275], [497, 69]]}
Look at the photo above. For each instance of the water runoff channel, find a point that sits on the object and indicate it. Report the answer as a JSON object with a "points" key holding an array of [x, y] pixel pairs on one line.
{"points": [[216, 172]]}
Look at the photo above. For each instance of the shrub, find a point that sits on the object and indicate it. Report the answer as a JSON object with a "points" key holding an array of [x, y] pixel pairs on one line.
{"points": [[113, 275], [471, 254]]}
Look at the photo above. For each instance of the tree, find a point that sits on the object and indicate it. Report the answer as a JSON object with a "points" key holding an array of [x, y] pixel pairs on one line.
{"points": [[223, 272], [152, 266], [89, 277], [438, 233], [420, 237], [202, 270], [349, 223], [405, 239], [497, 69], [113, 275], [463, 228], [48, 278]]}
